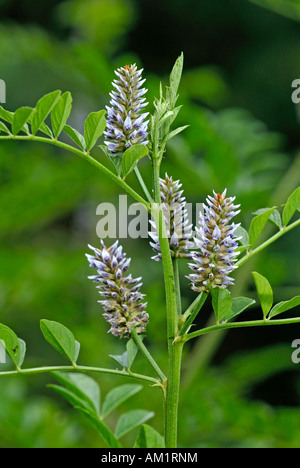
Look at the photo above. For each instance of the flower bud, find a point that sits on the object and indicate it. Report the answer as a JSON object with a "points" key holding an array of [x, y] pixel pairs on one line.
{"points": [[123, 301], [126, 125], [179, 230], [217, 244]]}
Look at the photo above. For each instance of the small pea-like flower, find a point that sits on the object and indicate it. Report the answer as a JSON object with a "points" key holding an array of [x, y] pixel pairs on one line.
{"points": [[179, 230], [123, 304], [217, 244], [126, 125]]}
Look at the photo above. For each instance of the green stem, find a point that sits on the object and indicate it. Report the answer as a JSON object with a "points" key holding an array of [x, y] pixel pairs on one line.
{"points": [[270, 241], [143, 185], [97, 370], [144, 350], [174, 349], [88, 158], [226, 326], [156, 177], [172, 395], [177, 285], [167, 265], [192, 312]]}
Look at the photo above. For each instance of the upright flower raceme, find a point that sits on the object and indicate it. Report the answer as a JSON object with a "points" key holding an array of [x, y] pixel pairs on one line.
{"points": [[179, 230], [217, 244], [126, 125], [123, 304]]}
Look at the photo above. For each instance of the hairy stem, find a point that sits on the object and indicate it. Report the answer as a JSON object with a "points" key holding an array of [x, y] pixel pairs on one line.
{"points": [[138, 341], [270, 241], [97, 370], [177, 285], [172, 394], [226, 326], [143, 185], [174, 349], [193, 311]]}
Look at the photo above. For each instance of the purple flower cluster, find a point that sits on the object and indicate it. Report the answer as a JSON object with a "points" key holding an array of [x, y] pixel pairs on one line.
{"points": [[122, 300], [126, 125], [176, 218], [217, 244]]}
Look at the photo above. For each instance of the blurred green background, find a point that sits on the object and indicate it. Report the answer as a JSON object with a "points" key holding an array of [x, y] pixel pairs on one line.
{"points": [[240, 60]]}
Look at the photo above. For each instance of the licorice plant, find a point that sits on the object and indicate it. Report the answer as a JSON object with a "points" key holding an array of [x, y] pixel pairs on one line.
{"points": [[213, 252]]}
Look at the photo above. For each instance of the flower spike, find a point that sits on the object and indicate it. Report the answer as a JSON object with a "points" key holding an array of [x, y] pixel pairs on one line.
{"points": [[126, 125], [123, 302], [176, 218], [217, 244]]}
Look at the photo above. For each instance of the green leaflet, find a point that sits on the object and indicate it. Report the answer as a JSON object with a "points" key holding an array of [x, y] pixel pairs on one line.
{"points": [[102, 429], [117, 396], [6, 115], [239, 304], [275, 217], [82, 386], [43, 109], [3, 128], [60, 338], [83, 407], [291, 207], [174, 133], [241, 232], [257, 225], [61, 113], [131, 157], [175, 79], [131, 420], [284, 306], [13, 346], [93, 128], [149, 438], [75, 136], [127, 358], [132, 351], [221, 301], [121, 359], [20, 118], [265, 292], [115, 160]]}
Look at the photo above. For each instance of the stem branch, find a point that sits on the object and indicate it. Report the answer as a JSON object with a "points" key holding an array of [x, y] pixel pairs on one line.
{"points": [[268, 242], [253, 323], [174, 349], [144, 350], [193, 311], [97, 370], [143, 185]]}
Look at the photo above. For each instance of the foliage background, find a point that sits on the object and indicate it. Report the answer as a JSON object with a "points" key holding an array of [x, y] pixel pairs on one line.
{"points": [[240, 61]]}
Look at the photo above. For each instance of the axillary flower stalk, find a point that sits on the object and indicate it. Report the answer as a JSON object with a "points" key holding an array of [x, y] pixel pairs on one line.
{"points": [[217, 244], [123, 304], [179, 230], [126, 125]]}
